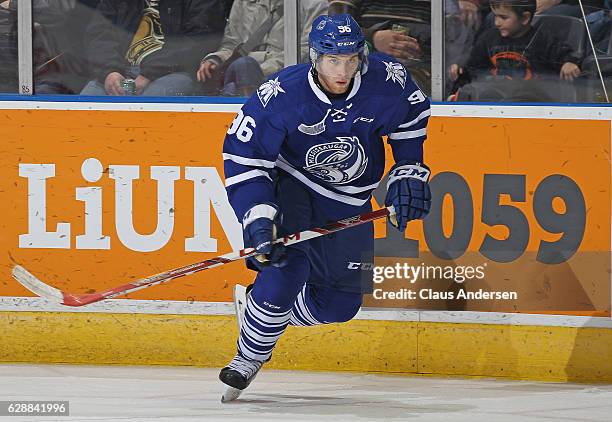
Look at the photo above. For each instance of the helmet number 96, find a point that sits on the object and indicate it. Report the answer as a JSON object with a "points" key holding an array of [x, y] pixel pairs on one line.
{"points": [[344, 28], [240, 126]]}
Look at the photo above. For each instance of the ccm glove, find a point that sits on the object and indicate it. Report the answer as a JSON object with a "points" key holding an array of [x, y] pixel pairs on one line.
{"points": [[259, 231], [408, 192]]}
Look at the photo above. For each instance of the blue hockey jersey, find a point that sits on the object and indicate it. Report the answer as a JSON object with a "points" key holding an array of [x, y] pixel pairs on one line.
{"points": [[332, 146]]}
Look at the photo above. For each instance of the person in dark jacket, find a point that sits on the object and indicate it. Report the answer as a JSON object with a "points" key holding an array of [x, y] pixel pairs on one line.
{"points": [[8, 48], [59, 65], [514, 49], [59, 56], [156, 44]]}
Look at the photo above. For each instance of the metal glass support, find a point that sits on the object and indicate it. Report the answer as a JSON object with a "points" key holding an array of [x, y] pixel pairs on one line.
{"points": [[292, 29], [24, 43], [437, 50]]}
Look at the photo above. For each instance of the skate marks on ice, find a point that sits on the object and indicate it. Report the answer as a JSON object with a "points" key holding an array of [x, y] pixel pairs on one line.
{"points": [[331, 396], [159, 394], [362, 405], [351, 397]]}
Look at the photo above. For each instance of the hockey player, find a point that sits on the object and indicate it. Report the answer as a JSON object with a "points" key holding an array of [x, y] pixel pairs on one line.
{"points": [[307, 149]]}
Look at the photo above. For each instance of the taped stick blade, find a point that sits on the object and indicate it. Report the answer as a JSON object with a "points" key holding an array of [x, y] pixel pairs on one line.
{"points": [[33, 284]]}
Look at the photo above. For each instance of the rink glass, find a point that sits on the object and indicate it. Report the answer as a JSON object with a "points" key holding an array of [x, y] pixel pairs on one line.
{"points": [[9, 77], [564, 22], [60, 50]]}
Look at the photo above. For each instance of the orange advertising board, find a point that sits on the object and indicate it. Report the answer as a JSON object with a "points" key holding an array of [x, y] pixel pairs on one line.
{"points": [[94, 199], [169, 164], [521, 210]]}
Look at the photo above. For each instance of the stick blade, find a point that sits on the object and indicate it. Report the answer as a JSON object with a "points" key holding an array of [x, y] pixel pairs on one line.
{"points": [[33, 284]]}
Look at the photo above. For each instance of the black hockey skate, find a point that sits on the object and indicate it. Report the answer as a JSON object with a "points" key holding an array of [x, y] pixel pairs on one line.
{"points": [[235, 382], [233, 379]]}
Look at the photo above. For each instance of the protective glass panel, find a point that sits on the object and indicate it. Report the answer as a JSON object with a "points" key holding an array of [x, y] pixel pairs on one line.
{"points": [[120, 47], [251, 49], [399, 28], [308, 11], [500, 52], [9, 79]]}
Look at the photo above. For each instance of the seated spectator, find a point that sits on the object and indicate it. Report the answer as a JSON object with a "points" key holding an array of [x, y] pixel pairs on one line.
{"points": [[598, 67], [514, 49], [402, 29], [156, 47], [558, 7], [399, 28], [462, 21], [600, 27], [56, 39], [59, 60], [253, 46], [467, 10], [8, 48], [567, 7]]}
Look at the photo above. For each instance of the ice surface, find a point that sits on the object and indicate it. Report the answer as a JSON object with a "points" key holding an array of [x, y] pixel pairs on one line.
{"points": [[117, 393]]}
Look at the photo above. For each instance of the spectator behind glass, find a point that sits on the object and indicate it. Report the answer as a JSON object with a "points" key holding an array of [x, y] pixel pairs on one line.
{"points": [[567, 7], [257, 26], [60, 62], [558, 7], [57, 47], [514, 49], [8, 48], [402, 29], [399, 28], [462, 21], [157, 44]]}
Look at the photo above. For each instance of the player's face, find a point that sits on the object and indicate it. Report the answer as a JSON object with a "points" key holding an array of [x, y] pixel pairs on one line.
{"points": [[336, 71]]}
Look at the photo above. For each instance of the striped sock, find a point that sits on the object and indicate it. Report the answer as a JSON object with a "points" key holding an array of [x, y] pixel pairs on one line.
{"points": [[260, 331], [301, 315]]}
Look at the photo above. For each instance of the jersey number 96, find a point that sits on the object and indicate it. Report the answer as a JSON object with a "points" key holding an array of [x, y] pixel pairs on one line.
{"points": [[240, 127]]}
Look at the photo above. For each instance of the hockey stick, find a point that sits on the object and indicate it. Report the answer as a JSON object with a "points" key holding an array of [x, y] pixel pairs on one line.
{"points": [[42, 289]]}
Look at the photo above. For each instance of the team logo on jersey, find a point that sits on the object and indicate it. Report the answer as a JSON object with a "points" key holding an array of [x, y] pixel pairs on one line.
{"points": [[316, 129], [269, 89], [337, 162], [396, 72]]}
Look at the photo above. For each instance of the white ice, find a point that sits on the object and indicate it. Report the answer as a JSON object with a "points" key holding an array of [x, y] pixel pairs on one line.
{"points": [[117, 393]]}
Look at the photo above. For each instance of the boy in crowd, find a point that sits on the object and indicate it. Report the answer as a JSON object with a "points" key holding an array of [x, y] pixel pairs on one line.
{"points": [[514, 49]]}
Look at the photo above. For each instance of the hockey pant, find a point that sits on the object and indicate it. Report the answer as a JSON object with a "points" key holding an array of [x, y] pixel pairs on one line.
{"points": [[319, 284]]}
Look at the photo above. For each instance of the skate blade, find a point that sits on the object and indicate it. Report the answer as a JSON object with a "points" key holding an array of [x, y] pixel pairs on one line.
{"points": [[230, 394]]}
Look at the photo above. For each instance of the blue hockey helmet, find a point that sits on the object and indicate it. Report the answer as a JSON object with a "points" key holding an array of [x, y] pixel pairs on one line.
{"points": [[337, 34]]}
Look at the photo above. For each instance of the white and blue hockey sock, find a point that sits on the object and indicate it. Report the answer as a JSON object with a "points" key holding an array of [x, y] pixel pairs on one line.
{"points": [[261, 330], [301, 315]]}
